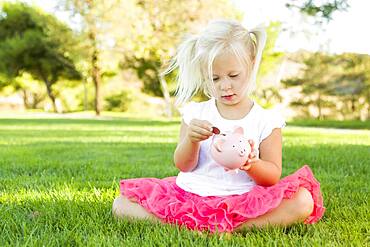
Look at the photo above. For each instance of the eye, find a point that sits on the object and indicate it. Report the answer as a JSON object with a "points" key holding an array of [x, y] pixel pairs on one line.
{"points": [[215, 79], [233, 146], [234, 75], [223, 134]]}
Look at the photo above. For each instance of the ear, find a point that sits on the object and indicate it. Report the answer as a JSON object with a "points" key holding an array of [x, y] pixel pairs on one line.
{"points": [[219, 143], [238, 130]]}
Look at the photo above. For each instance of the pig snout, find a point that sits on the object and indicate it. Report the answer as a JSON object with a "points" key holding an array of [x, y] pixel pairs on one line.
{"points": [[241, 152], [240, 149]]}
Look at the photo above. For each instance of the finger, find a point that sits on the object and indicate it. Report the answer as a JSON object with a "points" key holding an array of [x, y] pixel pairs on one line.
{"points": [[208, 124], [195, 139], [253, 153], [201, 131], [251, 142], [198, 137], [246, 167], [254, 160], [203, 124]]}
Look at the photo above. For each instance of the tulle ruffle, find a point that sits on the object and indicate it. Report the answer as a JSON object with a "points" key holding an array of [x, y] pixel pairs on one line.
{"points": [[167, 201]]}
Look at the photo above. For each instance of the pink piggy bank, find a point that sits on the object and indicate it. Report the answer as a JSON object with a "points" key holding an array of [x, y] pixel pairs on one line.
{"points": [[231, 149]]}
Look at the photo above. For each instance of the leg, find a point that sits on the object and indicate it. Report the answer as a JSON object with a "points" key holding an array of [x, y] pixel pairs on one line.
{"points": [[290, 211], [123, 207]]}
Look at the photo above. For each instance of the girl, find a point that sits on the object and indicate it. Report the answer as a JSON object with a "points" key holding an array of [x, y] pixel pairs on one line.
{"points": [[223, 61]]}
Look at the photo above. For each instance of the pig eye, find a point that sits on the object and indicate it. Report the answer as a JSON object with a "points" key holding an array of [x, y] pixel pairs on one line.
{"points": [[233, 146], [223, 134]]}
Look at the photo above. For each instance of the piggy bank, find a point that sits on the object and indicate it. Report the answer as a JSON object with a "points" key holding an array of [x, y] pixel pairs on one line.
{"points": [[230, 149]]}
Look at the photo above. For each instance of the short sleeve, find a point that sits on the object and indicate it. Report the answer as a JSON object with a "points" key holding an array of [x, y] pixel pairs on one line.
{"points": [[188, 111], [272, 120]]}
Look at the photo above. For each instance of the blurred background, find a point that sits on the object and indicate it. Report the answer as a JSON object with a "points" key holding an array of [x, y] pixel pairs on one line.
{"points": [[104, 57]]}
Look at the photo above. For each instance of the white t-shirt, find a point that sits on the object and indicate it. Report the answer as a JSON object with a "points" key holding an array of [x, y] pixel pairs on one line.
{"points": [[210, 179]]}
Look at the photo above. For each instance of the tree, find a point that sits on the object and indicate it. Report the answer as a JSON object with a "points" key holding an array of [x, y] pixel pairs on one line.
{"points": [[270, 57], [329, 81], [352, 85], [313, 81], [37, 43], [153, 37], [97, 19], [317, 12], [322, 10]]}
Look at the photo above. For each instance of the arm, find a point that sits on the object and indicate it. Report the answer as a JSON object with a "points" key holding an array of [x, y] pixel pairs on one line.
{"points": [[266, 170], [187, 150]]}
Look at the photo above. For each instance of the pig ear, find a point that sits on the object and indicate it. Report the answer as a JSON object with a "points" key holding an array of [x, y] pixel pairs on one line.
{"points": [[238, 130], [218, 144]]}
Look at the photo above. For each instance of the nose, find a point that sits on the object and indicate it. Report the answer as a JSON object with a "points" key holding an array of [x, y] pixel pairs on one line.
{"points": [[241, 152], [225, 84]]}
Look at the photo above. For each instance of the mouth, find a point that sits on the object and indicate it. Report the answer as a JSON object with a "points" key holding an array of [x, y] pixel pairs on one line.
{"points": [[228, 97]]}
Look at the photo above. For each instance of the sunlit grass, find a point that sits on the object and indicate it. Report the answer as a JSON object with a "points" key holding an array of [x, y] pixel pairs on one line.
{"points": [[346, 124], [58, 178]]}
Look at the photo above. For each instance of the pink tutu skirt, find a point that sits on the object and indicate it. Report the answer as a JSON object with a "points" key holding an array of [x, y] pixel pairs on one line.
{"points": [[171, 204]]}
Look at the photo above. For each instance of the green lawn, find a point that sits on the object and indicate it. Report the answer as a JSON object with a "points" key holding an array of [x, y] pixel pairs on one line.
{"points": [[58, 178], [347, 124]]}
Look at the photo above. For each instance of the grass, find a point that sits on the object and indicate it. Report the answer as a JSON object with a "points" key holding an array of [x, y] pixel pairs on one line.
{"points": [[58, 178], [347, 124]]}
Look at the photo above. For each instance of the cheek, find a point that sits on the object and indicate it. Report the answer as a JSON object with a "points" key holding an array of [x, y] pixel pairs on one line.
{"points": [[218, 90], [242, 83], [242, 79]]}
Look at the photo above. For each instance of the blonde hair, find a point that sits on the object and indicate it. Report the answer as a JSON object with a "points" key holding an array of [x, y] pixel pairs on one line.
{"points": [[195, 56]]}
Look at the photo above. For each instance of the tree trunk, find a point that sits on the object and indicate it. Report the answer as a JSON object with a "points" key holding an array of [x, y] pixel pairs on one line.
{"points": [[319, 107], [48, 85], [368, 105], [353, 108], [95, 70], [26, 102], [85, 93], [51, 95], [166, 95]]}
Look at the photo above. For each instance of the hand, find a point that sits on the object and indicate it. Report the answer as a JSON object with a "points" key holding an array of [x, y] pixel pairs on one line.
{"points": [[252, 157], [199, 130]]}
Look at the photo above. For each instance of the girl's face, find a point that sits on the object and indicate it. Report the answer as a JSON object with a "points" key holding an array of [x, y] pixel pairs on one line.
{"points": [[230, 79]]}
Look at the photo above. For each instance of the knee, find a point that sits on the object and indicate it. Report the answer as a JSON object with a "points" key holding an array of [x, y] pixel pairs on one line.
{"points": [[118, 206], [304, 203]]}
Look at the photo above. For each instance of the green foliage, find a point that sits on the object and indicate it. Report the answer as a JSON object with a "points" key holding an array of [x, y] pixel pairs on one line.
{"points": [[119, 101], [37, 43], [354, 78], [3, 82], [322, 10], [33, 91], [57, 186], [162, 24], [327, 79], [147, 72], [270, 57], [98, 20], [268, 97]]}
